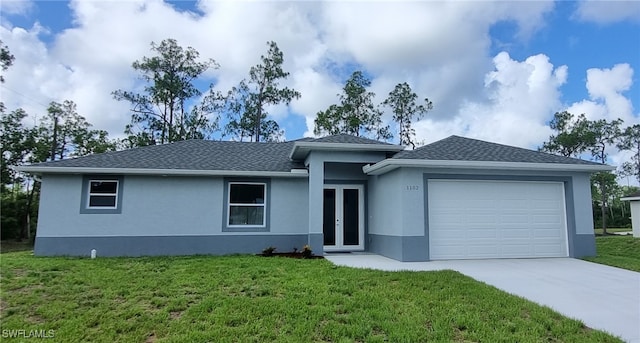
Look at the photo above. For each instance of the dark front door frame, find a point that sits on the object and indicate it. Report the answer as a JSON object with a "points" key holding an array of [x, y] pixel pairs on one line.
{"points": [[343, 217]]}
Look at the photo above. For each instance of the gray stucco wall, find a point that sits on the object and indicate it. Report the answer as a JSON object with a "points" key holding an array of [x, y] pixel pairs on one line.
{"points": [[151, 206], [385, 205], [344, 171], [166, 245], [582, 202], [584, 241], [167, 213], [289, 206], [396, 215], [398, 227]]}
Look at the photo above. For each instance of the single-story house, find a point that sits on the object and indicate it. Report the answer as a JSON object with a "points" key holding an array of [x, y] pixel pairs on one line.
{"points": [[457, 198], [634, 202]]}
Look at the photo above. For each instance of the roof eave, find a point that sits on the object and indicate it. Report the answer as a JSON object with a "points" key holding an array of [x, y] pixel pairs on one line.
{"points": [[301, 149], [388, 165], [630, 198], [161, 172]]}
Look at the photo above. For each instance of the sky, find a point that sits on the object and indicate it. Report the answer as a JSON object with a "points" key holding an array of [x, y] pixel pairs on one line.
{"points": [[494, 70]]}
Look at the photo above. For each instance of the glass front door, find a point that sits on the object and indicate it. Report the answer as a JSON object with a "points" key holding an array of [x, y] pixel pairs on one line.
{"points": [[343, 218]]}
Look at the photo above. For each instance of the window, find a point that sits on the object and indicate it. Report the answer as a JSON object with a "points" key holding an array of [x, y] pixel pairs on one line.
{"points": [[103, 194], [246, 204]]}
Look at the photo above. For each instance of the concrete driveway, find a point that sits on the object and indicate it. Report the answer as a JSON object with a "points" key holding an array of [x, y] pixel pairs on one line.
{"points": [[602, 297]]}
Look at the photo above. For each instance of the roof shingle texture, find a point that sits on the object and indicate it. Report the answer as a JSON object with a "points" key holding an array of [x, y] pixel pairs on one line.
{"points": [[457, 148], [251, 156], [347, 139], [193, 155]]}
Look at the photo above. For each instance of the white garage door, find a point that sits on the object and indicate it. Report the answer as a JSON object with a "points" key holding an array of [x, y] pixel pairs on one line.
{"points": [[496, 219]]}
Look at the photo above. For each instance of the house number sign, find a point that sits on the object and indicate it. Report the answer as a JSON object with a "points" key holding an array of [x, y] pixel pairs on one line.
{"points": [[412, 188]]}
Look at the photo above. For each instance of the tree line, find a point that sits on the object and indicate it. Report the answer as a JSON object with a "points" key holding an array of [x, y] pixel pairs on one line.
{"points": [[576, 135], [60, 133], [172, 107]]}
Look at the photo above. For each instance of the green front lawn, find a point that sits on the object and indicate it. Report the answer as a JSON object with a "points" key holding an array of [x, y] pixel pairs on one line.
{"points": [[257, 299], [612, 230], [618, 251]]}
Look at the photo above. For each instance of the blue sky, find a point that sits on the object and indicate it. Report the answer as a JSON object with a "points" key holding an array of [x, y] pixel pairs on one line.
{"points": [[494, 70], [580, 45]]}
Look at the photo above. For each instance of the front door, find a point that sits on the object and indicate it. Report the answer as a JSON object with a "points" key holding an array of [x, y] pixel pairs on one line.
{"points": [[343, 219]]}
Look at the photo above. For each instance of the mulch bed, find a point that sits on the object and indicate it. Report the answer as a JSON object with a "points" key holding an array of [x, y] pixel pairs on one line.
{"points": [[290, 255]]}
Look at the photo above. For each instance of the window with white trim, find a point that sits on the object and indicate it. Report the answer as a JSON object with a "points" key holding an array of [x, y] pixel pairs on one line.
{"points": [[246, 204], [103, 194]]}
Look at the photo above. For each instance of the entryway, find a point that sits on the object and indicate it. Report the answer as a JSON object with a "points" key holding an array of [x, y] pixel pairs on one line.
{"points": [[343, 218]]}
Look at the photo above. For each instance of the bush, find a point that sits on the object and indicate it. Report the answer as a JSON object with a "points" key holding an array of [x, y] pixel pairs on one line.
{"points": [[306, 251], [268, 251]]}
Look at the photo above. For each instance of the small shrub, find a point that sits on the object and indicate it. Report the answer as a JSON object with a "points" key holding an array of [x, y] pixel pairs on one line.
{"points": [[268, 251], [306, 251]]}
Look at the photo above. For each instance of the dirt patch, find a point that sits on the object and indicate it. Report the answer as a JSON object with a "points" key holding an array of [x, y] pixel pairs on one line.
{"points": [[586, 328], [119, 300], [151, 338], [35, 319], [459, 333], [19, 272], [428, 325], [28, 288]]}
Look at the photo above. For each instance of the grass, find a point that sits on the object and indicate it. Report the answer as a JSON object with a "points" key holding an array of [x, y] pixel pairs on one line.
{"points": [[611, 230], [257, 299], [618, 251]]}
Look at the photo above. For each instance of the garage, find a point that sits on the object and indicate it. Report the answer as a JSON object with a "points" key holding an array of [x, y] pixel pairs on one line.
{"points": [[471, 219]]}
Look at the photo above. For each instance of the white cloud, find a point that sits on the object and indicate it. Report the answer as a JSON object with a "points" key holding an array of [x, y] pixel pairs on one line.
{"points": [[318, 92], [606, 89], [406, 35], [606, 12], [16, 7], [93, 58], [440, 48], [34, 79], [521, 96], [607, 100]]}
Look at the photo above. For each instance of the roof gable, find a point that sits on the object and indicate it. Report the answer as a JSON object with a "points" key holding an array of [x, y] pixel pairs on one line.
{"points": [[341, 142], [457, 148]]}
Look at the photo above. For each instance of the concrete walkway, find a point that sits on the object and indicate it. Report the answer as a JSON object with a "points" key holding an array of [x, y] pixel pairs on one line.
{"points": [[602, 297]]}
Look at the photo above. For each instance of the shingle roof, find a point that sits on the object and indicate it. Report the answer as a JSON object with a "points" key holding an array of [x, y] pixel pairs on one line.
{"points": [[457, 148], [632, 195], [274, 157], [193, 155], [347, 139]]}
